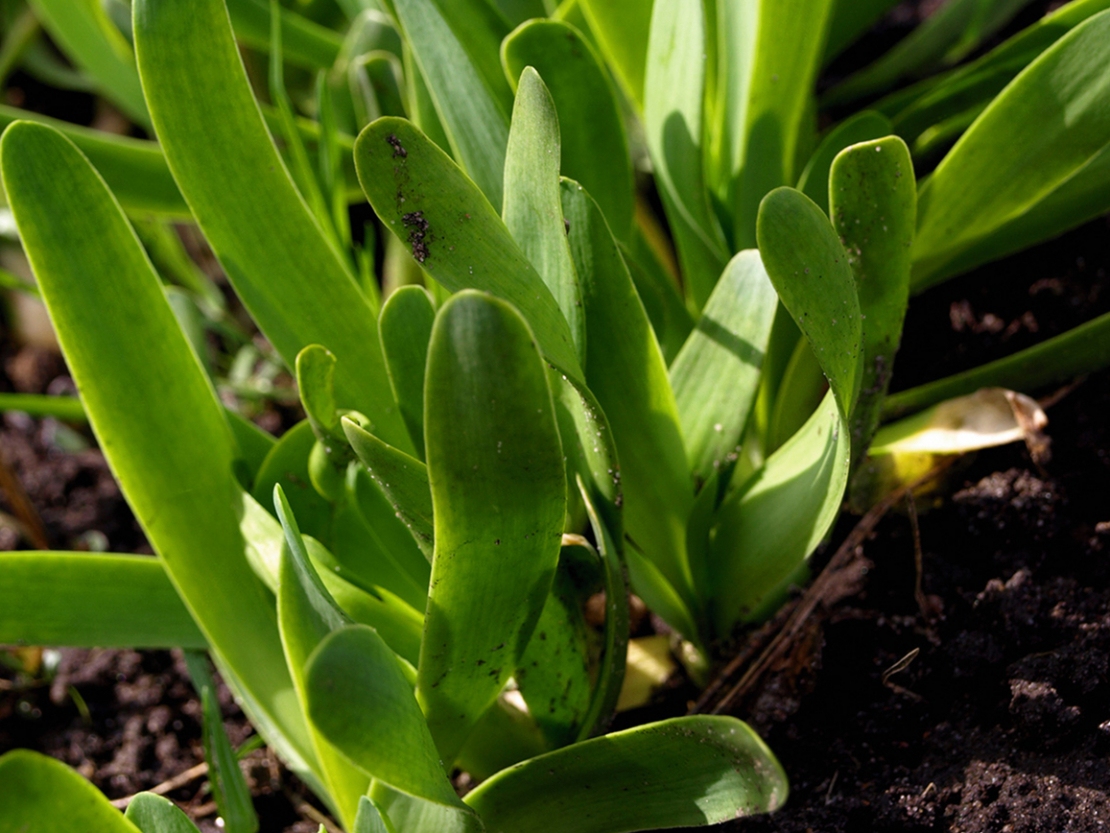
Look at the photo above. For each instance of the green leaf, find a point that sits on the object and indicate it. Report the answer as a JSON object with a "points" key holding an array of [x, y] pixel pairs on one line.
{"points": [[773, 55], [66, 408], [685, 772], [304, 43], [771, 525], [622, 29], [944, 37], [1081, 350], [673, 93], [1042, 139], [88, 37], [532, 211], [360, 700], [405, 327], [153, 814], [266, 238], [594, 144], [287, 464], [370, 819], [307, 613], [625, 370], [403, 480], [42, 795], [455, 45], [452, 230], [141, 384], [861, 127], [415, 815], [498, 489], [874, 210], [716, 375], [851, 19], [92, 600], [134, 169], [315, 368]]}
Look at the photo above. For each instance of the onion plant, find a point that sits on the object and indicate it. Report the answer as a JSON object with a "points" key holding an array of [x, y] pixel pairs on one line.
{"points": [[395, 588]]}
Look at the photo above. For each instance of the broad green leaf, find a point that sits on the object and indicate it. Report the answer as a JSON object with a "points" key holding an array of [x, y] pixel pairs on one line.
{"points": [[851, 19], [315, 368], [287, 464], [134, 169], [935, 100], [307, 613], [862, 127], [402, 479], [673, 93], [141, 383], [944, 37], [625, 370], [42, 795], [874, 210], [767, 100], [455, 45], [498, 489], [415, 815], [517, 11], [1042, 142], [91, 600], [370, 819], [684, 772], [799, 393], [153, 814], [659, 293], [716, 375], [1081, 350], [594, 144], [419, 106], [778, 518], [452, 230], [622, 29], [88, 37], [291, 279], [360, 700], [405, 327], [532, 211]]}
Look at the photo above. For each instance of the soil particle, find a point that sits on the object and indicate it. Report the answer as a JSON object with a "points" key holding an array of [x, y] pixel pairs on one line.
{"points": [[418, 234], [399, 151]]}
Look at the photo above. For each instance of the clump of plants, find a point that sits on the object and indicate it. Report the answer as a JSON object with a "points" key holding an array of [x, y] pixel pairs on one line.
{"points": [[395, 588]]}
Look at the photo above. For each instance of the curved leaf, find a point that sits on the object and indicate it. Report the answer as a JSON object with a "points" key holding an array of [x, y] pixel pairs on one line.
{"points": [[495, 464], [861, 127], [290, 277], [452, 230], [405, 327], [685, 772], [622, 28], [153, 814]]}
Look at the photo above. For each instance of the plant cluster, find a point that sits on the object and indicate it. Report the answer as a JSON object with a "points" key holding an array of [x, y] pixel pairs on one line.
{"points": [[569, 401]]}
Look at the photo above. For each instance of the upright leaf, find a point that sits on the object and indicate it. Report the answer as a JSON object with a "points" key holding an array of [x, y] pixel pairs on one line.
{"points": [[622, 29], [874, 209], [684, 772], [716, 375], [862, 127], [290, 277], [148, 399], [452, 230], [594, 144], [532, 211], [153, 814], [766, 529], [498, 489], [405, 327]]}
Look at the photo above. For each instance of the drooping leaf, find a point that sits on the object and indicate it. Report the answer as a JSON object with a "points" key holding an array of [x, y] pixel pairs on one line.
{"points": [[495, 464], [141, 383], [861, 127], [453, 231], [92, 600], [594, 144], [716, 375], [360, 700], [684, 772], [455, 45], [532, 211], [42, 795], [625, 370], [673, 94], [405, 327], [770, 526], [1038, 152], [266, 238], [153, 814], [874, 210]]}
